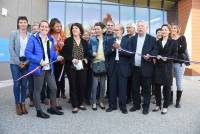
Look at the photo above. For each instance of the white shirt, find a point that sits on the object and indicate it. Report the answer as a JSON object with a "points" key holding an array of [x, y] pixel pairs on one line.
{"points": [[164, 43], [140, 43], [44, 42], [23, 43], [118, 41]]}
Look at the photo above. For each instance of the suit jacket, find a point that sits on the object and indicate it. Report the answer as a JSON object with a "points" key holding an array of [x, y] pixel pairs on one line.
{"points": [[14, 46], [149, 47], [67, 51], [124, 57], [164, 69]]}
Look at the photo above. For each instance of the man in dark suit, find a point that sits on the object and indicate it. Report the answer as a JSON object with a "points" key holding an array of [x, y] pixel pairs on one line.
{"points": [[119, 68], [143, 44]]}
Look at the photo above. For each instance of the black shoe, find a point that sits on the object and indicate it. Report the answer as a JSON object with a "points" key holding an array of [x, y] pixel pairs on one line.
{"points": [[124, 111], [43, 115], [133, 109], [82, 107], [59, 107], [145, 111], [110, 109], [54, 111]]}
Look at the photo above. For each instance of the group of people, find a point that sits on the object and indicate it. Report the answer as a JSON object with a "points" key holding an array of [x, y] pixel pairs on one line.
{"points": [[100, 64]]}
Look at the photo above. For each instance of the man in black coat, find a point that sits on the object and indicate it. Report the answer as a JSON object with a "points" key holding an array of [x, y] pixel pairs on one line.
{"points": [[145, 46], [119, 69]]}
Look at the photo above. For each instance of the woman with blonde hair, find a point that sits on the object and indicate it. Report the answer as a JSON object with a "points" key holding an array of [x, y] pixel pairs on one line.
{"points": [[179, 66]]}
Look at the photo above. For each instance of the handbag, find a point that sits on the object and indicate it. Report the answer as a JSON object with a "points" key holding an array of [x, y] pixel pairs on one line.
{"points": [[99, 68]]}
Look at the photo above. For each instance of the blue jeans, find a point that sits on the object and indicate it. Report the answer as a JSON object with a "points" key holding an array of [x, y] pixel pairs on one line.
{"points": [[19, 87]]}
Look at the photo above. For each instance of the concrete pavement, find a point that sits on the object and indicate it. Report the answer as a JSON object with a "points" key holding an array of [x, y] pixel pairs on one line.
{"points": [[178, 121]]}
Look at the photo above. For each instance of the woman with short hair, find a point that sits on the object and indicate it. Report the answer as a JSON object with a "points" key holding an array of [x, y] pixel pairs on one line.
{"points": [[76, 60], [19, 63]]}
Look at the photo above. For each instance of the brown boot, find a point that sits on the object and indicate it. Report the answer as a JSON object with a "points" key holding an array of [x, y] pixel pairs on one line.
{"points": [[18, 109], [24, 110]]}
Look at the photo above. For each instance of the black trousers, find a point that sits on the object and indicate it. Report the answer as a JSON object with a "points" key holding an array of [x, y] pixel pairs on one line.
{"points": [[144, 82], [129, 87], [77, 83], [166, 95], [117, 82], [60, 84]]}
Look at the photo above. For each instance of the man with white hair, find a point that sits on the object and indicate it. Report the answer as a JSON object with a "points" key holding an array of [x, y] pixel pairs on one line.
{"points": [[144, 45], [130, 29]]}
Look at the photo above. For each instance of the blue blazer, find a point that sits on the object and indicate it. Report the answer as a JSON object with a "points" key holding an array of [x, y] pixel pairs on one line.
{"points": [[124, 57], [149, 47], [34, 52]]}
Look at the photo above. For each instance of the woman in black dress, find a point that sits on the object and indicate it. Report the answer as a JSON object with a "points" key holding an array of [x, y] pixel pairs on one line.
{"points": [[167, 48], [75, 56]]}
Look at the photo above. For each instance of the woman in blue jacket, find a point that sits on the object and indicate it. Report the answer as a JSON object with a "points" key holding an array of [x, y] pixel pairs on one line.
{"points": [[40, 52]]}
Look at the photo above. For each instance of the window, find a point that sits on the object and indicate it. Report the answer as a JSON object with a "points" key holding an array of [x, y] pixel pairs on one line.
{"points": [[57, 10], [92, 1], [156, 20], [113, 10], [73, 14], [126, 15], [142, 14], [91, 14]]}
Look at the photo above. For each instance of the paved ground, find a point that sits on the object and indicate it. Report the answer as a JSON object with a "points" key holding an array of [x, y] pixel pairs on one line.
{"points": [[178, 121]]}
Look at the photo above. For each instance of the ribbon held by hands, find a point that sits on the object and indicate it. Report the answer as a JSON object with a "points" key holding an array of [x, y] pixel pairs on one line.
{"points": [[186, 61], [31, 72]]}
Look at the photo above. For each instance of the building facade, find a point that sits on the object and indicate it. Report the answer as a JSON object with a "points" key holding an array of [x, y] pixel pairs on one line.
{"points": [[155, 12]]}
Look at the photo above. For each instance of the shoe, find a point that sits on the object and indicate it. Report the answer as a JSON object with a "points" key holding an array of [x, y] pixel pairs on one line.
{"points": [[24, 110], [43, 115], [145, 111], [110, 109], [101, 105], [54, 111], [82, 107], [18, 109], [124, 111], [59, 107], [164, 111], [157, 108], [94, 107], [133, 109], [75, 110]]}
